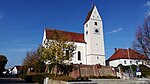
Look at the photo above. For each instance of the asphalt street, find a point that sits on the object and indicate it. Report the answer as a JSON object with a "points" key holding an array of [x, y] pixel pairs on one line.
{"points": [[12, 79]]}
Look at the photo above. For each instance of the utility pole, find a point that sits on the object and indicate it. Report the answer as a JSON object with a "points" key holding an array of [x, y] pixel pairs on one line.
{"points": [[128, 51]]}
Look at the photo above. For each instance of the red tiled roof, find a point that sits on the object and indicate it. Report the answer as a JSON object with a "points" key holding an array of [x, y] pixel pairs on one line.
{"points": [[19, 67], [123, 54], [89, 14], [75, 37]]}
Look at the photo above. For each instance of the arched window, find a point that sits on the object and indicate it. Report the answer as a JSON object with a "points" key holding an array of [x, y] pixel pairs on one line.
{"points": [[79, 55], [67, 54]]}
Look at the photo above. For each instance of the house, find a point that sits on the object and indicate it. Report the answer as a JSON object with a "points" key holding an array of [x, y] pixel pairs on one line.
{"points": [[126, 57], [90, 45], [16, 69]]}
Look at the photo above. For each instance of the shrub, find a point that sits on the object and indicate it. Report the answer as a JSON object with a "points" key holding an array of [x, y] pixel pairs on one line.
{"points": [[110, 77], [37, 78], [93, 77], [51, 75], [104, 77], [64, 78], [144, 70], [23, 76], [28, 78]]}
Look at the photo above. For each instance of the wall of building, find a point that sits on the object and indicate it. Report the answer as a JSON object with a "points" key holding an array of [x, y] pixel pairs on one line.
{"points": [[14, 70], [80, 48], [126, 62], [95, 41]]}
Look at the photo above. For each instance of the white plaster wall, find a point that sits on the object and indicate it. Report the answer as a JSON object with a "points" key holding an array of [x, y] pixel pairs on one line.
{"points": [[14, 70], [81, 48], [44, 37], [95, 59], [115, 63], [95, 43]]}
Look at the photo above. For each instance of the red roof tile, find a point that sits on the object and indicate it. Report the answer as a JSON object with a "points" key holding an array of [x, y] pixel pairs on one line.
{"points": [[89, 15], [75, 37], [123, 54], [19, 67]]}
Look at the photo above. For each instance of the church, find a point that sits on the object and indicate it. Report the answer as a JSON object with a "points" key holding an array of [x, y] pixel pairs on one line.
{"points": [[90, 45]]}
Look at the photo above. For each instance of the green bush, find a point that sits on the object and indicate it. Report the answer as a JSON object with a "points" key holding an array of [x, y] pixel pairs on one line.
{"points": [[23, 76], [63, 78], [51, 66], [108, 77], [51, 75], [144, 70], [37, 78], [28, 78], [93, 77], [103, 77]]}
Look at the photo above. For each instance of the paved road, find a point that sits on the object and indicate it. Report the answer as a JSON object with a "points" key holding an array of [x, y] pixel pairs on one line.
{"points": [[121, 81], [11, 79]]}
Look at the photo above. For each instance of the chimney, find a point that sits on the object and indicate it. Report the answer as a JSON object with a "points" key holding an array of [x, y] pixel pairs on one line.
{"points": [[115, 49]]}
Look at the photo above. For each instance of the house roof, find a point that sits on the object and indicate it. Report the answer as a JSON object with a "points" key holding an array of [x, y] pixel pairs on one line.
{"points": [[123, 54], [89, 15], [72, 36], [19, 67]]}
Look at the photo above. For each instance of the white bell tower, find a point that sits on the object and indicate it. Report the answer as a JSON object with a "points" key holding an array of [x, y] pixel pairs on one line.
{"points": [[93, 36]]}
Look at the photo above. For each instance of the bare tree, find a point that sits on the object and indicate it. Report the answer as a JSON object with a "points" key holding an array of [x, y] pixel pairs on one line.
{"points": [[142, 42]]}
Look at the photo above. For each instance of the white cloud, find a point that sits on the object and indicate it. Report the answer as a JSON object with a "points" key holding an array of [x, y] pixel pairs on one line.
{"points": [[114, 31], [148, 13], [147, 4]]}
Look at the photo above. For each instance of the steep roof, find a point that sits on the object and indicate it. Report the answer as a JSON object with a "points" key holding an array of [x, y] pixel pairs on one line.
{"points": [[72, 36], [89, 15], [123, 54], [19, 67]]}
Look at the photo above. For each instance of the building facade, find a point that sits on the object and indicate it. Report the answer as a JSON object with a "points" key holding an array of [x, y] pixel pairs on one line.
{"points": [[127, 57], [90, 45]]}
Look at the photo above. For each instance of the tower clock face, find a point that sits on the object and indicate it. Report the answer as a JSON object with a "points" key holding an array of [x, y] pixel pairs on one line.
{"points": [[96, 31]]}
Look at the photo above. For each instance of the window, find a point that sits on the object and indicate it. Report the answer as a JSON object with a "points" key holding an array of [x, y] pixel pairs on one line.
{"points": [[86, 25], [95, 23], [86, 32], [125, 62], [79, 55], [130, 62], [67, 54], [97, 57], [137, 62]]}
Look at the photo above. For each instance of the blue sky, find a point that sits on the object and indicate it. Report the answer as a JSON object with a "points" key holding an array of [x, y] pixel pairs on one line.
{"points": [[22, 22]]}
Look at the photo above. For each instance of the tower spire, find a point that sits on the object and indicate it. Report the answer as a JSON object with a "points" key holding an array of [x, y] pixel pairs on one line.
{"points": [[92, 3]]}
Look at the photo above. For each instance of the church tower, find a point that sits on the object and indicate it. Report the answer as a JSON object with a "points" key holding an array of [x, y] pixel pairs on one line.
{"points": [[93, 36]]}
